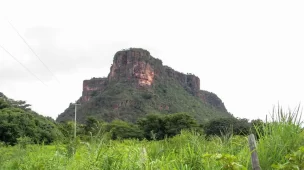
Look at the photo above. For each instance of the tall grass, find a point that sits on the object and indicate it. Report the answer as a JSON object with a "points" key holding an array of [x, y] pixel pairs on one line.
{"points": [[185, 151], [189, 150], [281, 135]]}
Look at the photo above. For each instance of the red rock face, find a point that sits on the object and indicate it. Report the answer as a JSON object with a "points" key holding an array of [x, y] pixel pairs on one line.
{"points": [[132, 65], [137, 67], [92, 87], [144, 73]]}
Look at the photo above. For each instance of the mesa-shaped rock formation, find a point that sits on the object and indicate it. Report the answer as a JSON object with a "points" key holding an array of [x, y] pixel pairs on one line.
{"points": [[139, 83]]}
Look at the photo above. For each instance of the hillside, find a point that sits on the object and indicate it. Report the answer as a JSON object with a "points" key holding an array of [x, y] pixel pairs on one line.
{"points": [[139, 84], [18, 121]]}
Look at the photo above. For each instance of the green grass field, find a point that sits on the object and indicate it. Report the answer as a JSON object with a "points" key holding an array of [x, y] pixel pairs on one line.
{"points": [[278, 148]]}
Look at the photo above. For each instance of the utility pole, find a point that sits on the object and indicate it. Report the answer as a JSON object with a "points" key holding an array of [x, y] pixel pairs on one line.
{"points": [[75, 119]]}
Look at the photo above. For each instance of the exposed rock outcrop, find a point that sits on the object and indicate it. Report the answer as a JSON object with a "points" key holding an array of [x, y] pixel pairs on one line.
{"points": [[134, 66], [92, 88], [136, 73], [212, 99]]}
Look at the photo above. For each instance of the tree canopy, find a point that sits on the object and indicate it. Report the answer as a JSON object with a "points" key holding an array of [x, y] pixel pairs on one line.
{"points": [[18, 120]]}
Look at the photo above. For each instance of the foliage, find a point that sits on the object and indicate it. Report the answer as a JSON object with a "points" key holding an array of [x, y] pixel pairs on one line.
{"points": [[17, 121], [282, 135], [224, 126], [156, 126], [92, 125], [123, 130], [295, 161], [3, 103], [6, 102], [24, 141], [115, 145], [187, 150], [184, 151], [229, 161], [153, 126], [19, 104], [174, 123], [67, 130], [147, 96], [125, 101], [257, 128]]}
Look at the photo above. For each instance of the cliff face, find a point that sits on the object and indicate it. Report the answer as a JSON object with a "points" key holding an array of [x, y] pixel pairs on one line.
{"points": [[190, 82], [133, 66], [92, 88], [139, 83], [137, 66], [212, 99]]}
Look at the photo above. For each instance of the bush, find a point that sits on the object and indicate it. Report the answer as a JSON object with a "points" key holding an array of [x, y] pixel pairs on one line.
{"points": [[153, 126], [15, 123], [294, 160], [226, 126], [123, 130], [282, 134], [158, 127], [92, 126], [24, 141], [17, 120], [174, 123], [147, 96]]}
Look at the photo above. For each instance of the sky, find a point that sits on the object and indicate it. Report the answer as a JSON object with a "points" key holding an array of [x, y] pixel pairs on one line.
{"points": [[250, 53]]}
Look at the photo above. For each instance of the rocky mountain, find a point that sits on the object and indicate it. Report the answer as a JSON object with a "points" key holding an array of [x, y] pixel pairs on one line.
{"points": [[139, 84]]}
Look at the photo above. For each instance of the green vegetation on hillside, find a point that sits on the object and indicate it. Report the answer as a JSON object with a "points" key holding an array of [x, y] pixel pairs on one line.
{"points": [[139, 84], [18, 121], [120, 100]]}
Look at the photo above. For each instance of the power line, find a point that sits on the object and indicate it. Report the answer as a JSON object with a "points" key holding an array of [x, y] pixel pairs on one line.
{"points": [[22, 65], [33, 51]]}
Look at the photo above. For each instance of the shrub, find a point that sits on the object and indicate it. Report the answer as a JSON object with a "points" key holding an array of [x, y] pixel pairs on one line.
{"points": [[157, 126], [226, 126], [123, 130], [15, 123], [24, 141], [153, 126]]}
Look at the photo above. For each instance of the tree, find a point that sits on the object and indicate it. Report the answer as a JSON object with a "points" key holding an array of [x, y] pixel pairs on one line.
{"points": [[20, 104], [223, 126], [174, 123], [67, 129], [153, 126], [3, 103], [92, 125], [15, 123], [17, 120], [157, 126], [123, 130]]}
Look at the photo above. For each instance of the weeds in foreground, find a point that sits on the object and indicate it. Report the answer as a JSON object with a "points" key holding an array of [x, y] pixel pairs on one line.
{"points": [[294, 161], [277, 147]]}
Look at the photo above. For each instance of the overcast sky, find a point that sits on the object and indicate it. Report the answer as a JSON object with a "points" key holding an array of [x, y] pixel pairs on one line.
{"points": [[250, 53]]}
